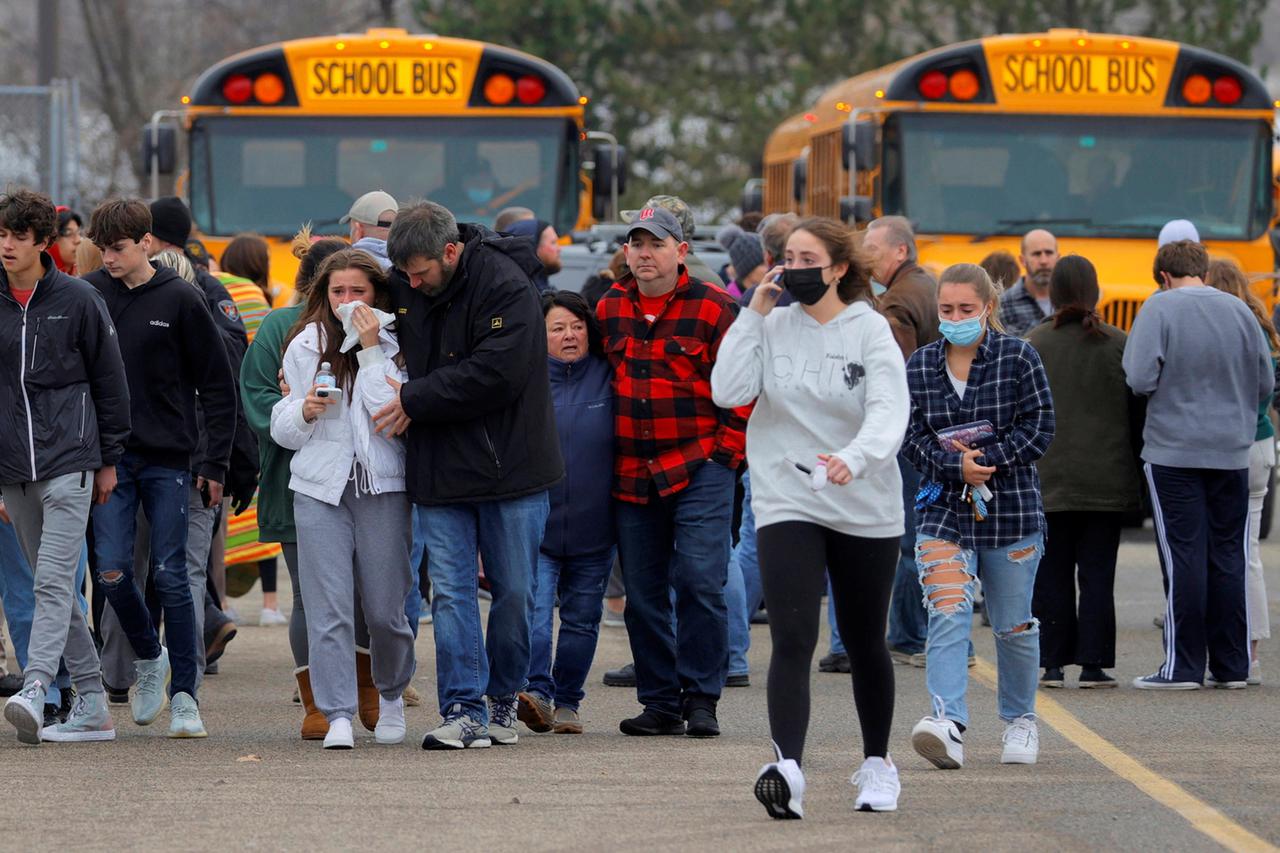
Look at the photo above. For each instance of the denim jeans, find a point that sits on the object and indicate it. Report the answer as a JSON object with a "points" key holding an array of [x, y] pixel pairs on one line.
{"points": [[506, 535], [742, 592], [413, 604], [579, 583], [1008, 577], [908, 620], [162, 494], [680, 542], [837, 643]]}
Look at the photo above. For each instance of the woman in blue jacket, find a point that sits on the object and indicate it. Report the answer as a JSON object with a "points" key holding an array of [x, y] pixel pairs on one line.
{"points": [[578, 546]]}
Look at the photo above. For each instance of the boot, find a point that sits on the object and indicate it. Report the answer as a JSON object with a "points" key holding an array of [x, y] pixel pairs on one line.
{"points": [[366, 691], [314, 725]]}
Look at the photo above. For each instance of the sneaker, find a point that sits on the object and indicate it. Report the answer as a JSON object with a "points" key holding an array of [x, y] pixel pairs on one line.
{"points": [[216, 638], [780, 789], [610, 619], [835, 663], [11, 684], [651, 723], [116, 695], [502, 721], [89, 720], [535, 712], [1158, 621], [567, 722], [1156, 681], [51, 715], [211, 668], [878, 786], [340, 735], [1255, 673], [424, 615], [760, 617], [150, 688], [458, 731], [269, 618], [184, 717], [1210, 681], [231, 613], [939, 741], [700, 716], [25, 710], [900, 655], [623, 676], [390, 727], [1093, 678], [1021, 741], [1053, 677], [742, 679]]}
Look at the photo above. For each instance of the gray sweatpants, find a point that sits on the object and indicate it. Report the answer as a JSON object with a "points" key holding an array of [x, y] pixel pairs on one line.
{"points": [[362, 543], [298, 616], [50, 518], [117, 652]]}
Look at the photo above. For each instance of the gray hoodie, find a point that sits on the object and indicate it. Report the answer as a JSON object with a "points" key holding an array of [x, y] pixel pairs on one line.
{"points": [[375, 247], [1202, 358]]}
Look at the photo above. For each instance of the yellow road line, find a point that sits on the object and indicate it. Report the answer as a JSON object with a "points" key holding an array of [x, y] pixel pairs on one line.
{"points": [[1202, 816]]}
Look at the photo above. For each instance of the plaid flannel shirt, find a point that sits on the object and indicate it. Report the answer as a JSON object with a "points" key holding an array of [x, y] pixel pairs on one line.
{"points": [[1008, 387], [1019, 311], [665, 422]]}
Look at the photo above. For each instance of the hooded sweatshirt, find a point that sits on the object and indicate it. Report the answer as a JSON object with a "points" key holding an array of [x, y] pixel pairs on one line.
{"points": [[375, 247], [531, 229], [837, 387]]}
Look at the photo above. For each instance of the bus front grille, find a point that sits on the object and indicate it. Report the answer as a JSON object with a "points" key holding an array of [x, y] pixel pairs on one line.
{"points": [[1121, 312]]}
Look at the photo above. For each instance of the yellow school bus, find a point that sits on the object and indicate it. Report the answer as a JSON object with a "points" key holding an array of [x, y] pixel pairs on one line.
{"points": [[295, 131], [1100, 139]]}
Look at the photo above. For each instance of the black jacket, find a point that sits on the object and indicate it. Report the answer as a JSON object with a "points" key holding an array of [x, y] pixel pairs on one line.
{"points": [[478, 393], [172, 350], [64, 399]]}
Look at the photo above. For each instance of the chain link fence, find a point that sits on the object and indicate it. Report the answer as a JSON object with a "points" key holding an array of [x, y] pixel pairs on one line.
{"points": [[40, 139]]}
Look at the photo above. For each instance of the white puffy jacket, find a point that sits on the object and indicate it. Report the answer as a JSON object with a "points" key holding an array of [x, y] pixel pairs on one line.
{"points": [[326, 448]]}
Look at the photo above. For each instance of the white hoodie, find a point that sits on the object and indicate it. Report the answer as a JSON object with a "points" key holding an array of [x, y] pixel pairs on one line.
{"points": [[819, 388], [328, 447]]}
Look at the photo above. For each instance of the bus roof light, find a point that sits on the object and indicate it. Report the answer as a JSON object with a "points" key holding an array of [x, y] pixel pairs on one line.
{"points": [[933, 85], [530, 90], [1196, 89], [499, 89], [237, 88], [964, 85], [1227, 90], [268, 89]]}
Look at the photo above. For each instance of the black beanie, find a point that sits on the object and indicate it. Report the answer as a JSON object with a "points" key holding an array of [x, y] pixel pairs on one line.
{"points": [[170, 220]]}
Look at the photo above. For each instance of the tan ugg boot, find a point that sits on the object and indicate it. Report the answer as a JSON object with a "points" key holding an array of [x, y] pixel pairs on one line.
{"points": [[366, 692], [314, 725]]}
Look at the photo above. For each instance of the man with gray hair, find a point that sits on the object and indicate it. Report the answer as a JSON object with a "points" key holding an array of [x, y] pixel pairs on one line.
{"points": [[482, 452]]}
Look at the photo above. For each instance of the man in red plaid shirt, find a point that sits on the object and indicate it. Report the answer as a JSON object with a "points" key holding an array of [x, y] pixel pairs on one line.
{"points": [[673, 477]]}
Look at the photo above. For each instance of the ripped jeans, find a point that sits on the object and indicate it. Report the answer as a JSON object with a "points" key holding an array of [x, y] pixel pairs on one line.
{"points": [[1008, 574]]}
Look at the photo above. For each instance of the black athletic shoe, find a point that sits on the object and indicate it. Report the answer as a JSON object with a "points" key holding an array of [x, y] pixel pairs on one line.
{"points": [[760, 617], [741, 680], [1092, 677], [623, 676], [1052, 677], [652, 723], [116, 695], [216, 638], [700, 714], [11, 684], [835, 663]]}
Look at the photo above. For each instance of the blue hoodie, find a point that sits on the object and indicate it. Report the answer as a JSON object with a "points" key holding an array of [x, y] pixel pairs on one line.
{"points": [[581, 519]]}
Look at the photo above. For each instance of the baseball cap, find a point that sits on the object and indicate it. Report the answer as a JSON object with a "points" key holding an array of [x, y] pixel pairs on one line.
{"points": [[1175, 230], [658, 221], [369, 207], [675, 204]]}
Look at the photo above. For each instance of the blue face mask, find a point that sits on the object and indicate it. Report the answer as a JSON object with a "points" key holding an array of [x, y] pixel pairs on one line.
{"points": [[479, 196], [962, 333]]}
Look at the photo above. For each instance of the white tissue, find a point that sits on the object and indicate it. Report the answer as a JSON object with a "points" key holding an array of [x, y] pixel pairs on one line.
{"points": [[353, 337]]}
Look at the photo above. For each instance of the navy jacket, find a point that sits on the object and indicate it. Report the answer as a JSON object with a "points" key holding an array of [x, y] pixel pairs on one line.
{"points": [[581, 519]]}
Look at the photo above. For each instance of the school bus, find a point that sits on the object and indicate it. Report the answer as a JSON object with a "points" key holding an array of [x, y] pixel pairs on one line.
{"points": [[295, 131], [1100, 139]]}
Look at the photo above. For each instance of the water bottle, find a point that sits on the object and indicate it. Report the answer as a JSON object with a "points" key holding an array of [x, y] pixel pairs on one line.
{"points": [[325, 377], [328, 389]]}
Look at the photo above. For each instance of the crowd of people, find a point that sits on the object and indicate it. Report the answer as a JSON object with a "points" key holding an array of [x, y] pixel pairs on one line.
{"points": [[432, 409]]}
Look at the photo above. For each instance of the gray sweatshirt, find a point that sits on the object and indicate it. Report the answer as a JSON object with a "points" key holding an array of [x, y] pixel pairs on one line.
{"points": [[1201, 357]]}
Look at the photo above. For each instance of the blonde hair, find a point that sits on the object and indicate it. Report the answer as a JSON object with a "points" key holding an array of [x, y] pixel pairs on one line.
{"points": [[88, 258], [177, 262], [1227, 276], [986, 289]]}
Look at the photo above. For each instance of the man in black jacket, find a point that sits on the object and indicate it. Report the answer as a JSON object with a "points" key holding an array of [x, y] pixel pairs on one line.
{"points": [[482, 452], [64, 417], [172, 351]]}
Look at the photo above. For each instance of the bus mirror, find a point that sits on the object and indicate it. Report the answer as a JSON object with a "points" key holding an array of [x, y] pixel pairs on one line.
{"points": [[859, 148], [159, 150], [799, 178], [753, 196], [606, 172], [856, 209]]}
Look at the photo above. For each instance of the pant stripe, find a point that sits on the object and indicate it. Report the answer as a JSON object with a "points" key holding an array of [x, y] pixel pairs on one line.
{"points": [[1157, 515]]}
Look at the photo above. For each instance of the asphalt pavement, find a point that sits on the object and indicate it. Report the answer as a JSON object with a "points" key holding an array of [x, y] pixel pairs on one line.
{"points": [[1118, 769]]}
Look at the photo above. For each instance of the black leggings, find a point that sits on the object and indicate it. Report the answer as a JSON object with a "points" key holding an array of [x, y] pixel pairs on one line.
{"points": [[795, 557]]}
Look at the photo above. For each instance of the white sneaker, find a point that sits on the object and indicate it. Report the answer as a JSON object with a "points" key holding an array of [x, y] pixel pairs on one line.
{"points": [[269, 618], [878, 786], [425, 617], [780, 789], [1021, 742], [1255, 673], [231, 613], [939, 741], [339, 736], [390, 727]]}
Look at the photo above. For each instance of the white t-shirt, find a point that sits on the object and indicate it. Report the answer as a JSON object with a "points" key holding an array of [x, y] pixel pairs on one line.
{"points": [[958, 384]]}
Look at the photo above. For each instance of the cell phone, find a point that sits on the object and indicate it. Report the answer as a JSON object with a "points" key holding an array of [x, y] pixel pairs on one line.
{"points": [[325, 393]]}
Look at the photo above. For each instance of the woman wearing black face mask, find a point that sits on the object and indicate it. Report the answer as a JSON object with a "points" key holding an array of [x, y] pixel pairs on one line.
{"points": [[831, 409]]}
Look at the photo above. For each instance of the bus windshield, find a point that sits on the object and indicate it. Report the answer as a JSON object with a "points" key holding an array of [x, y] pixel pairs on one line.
{"points": [[270, 174], [1077, 175]]}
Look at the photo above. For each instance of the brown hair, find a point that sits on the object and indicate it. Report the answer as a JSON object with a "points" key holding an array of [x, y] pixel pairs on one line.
{"points": [[311, 253], [119, 219], [25, 210], [1229, 278], [841, 243], [986, 289], [1180, 259], [1073, 292], [1002, 266], [318, 311], [248, 256], [88, 258]]}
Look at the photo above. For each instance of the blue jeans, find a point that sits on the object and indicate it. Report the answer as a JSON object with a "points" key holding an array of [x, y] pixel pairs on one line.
{"points": [[837, 644], [680, 542], [162, 494], [506, 534], [17, 593], [579, 583], [908, 620], [1008, 577], [413, 604], [743, 592]]}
